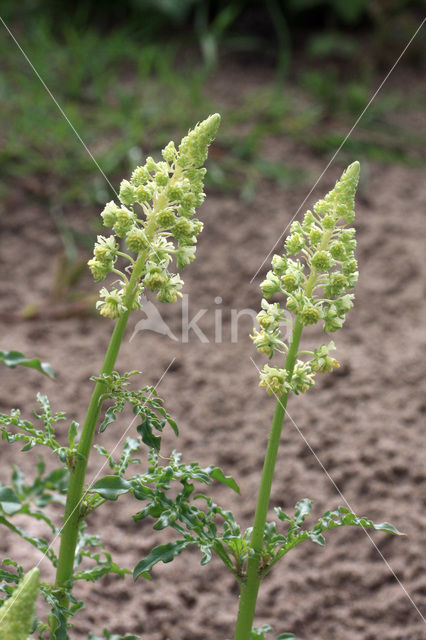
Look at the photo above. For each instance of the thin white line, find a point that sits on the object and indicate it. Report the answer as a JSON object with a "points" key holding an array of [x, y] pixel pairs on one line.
{"points": [[348, 505], [56, 103], [98, 473], [341, 145]]}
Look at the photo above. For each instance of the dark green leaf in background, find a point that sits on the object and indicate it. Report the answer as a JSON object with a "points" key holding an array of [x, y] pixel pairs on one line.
{"points": [[14, 358]]}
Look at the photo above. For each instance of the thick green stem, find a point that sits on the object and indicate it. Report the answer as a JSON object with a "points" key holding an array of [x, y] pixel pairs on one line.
{"points": [[251, 585], [69, 531]]}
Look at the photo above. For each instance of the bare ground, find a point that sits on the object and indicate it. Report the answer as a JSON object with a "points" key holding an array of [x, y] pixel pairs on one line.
{"points": [[361, 428]]}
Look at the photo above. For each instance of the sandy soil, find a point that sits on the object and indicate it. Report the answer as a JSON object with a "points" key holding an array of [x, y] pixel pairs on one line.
{"points": [[362, 424]]}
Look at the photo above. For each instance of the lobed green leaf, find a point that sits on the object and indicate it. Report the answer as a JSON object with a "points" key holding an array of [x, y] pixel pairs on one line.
{"points": [[163, 553]]}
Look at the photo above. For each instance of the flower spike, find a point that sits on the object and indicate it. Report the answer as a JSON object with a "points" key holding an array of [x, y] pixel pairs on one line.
{"points": [[316, 273]]}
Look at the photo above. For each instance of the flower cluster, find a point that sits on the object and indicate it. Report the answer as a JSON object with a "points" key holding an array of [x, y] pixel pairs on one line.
{"points": [[316, 273], [156, 221]]}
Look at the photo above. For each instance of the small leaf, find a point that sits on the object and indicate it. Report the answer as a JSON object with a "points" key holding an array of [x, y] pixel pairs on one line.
{"points": [[110, 487], [286, 636], [9, 501], [110, 414], [302, 509], [163, 553], [282, 515], [145, 429], [14, 358], [217, 474], [173, 425], [72, 433]]}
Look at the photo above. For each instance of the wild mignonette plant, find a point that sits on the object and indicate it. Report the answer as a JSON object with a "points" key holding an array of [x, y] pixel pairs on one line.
{"points": [[154, 227]]}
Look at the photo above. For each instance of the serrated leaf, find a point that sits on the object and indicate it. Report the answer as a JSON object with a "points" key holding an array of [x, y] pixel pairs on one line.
{"points": [[110, 487], [217, 474], [14, 358], [163, 553], [9, 501]]}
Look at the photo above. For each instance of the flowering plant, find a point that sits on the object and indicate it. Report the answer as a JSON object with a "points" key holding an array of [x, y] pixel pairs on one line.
{"points": [[153, 227]]}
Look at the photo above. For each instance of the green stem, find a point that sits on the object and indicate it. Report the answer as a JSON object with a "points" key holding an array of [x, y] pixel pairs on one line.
{"points": [[69, 531], [250, 588]]}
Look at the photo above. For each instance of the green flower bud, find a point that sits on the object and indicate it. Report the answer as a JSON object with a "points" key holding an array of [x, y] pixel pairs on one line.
{"points": [[199, 198], [274, 380], [296, 227], [184, 256], [170, 292], [188, 200], [144, 192], [17, 612], [270, 316], [150, 164], [347, 235], [109, 214], [124, 222], [328, 222], [337, 250], [175, 192], [182, 228], [302, 378], [99, 270], [340, 200], [169, 153], [112, 305], [332, 320], [166, 218], [155, 280], [167, 295], [322, 207], [321, 361], [140, 176], [105, 249], [297, 301], [197, 226], [127, 192], [267, 342], [161, 178], [315, 237], [336, 283], [265, 320], [185, 212], [321, 260], [279, 264], [136, 240], [294, 243], [310, 315], [344, 303], [270, 285], [308, 220], [194, 147], [349, 267], [351, 280], [290, 282]]}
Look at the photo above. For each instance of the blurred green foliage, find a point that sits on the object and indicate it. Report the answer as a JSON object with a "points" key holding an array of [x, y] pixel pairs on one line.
{"points": [[131, 76]]}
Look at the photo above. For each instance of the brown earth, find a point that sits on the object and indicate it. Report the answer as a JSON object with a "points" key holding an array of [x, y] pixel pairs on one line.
{"points": [[360, 428]]}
